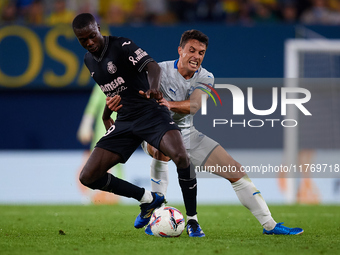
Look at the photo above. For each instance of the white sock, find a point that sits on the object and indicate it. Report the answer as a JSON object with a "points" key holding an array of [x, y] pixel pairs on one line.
{"points": [[251, 198], [159, 176], [192, 218], [147, 197]]}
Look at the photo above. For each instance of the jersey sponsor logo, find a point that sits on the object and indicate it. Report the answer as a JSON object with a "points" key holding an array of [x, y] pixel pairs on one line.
{"points": [[172, 122], [112, 94], [140, 54], [111, 68], [112, 85], [173, 91], [126, 43]]}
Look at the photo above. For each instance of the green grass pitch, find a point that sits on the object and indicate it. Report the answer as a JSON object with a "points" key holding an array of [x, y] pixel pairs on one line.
{"points": [[108, 229]]}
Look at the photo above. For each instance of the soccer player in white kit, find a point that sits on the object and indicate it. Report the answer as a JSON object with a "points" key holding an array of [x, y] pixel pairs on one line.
{"points": [[180, 83]]}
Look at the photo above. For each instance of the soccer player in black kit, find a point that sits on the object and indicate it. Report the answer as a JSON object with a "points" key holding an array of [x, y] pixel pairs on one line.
{"points": [[122, 68]]}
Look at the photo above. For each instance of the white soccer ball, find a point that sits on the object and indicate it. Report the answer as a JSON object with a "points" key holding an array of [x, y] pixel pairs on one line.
{"points": [[167, 222]]}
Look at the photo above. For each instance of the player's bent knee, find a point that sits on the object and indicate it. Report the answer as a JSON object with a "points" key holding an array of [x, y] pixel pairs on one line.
{"points": [[180, 159], [85, 179], [82, 180]]}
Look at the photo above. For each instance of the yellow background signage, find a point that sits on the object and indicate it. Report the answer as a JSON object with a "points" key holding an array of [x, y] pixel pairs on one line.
{"points": [[41, 58]]}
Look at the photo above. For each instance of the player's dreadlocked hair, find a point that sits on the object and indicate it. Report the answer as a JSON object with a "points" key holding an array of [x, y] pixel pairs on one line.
{"points": [[193, 34], [83, 20]]}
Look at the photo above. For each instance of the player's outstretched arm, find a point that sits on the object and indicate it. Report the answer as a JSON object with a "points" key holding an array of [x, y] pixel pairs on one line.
{"points": [[182, 107], [196, 100], [191, 105], [154, 75]]}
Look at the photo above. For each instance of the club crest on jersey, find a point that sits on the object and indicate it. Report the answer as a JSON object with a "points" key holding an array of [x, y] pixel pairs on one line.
{"points": [[111, 68]]}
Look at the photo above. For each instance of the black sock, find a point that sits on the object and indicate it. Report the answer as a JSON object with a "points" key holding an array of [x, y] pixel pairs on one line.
{"points": [[189, 190], [112, 184]]}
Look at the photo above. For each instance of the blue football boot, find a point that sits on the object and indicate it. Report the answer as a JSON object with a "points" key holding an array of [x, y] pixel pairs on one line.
{"points": [[282, 230], [147, 209], [194, 229]]}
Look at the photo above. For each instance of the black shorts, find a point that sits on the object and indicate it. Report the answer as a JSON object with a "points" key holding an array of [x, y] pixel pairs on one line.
{"points": [[125, 136]]}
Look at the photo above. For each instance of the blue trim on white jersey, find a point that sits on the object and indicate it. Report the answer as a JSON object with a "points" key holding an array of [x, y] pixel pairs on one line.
{"points": [[175, 65]]}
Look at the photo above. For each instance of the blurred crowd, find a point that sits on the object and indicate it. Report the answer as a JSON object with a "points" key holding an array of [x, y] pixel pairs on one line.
{"points": [[164, 12]]}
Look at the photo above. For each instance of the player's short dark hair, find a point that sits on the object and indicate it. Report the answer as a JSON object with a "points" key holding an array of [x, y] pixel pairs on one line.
{"points": [[193, 34], [83, 20]]}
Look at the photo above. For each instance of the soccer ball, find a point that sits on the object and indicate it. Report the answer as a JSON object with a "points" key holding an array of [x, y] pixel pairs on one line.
{"points": [[167, 222]]}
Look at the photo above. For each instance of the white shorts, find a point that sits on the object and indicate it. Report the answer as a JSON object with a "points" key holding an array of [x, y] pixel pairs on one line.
{"points": [[198, 146]]}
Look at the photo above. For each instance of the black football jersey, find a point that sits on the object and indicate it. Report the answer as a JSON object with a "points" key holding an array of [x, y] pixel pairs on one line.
{"points": [[119, 71]]}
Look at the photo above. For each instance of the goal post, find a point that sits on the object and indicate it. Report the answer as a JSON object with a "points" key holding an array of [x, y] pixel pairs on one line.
{"points": [[315, 65]]}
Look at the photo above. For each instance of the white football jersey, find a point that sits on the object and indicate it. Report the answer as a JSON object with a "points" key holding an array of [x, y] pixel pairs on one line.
{"points": [[176, 88]]}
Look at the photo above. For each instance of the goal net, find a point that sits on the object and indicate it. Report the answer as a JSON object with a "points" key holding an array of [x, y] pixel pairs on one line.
{"points": [[313, 64]]}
